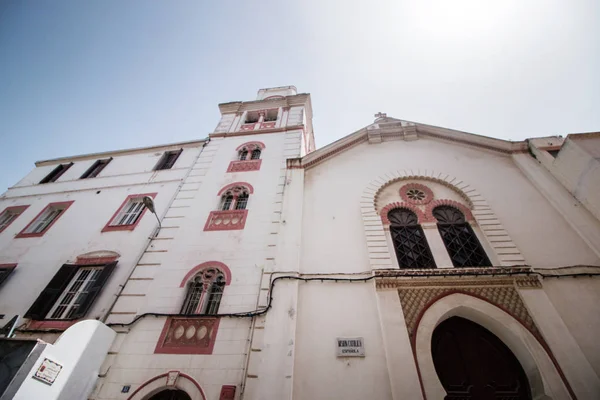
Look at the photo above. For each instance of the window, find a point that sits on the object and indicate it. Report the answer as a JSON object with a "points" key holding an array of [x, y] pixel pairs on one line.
{"points": [[95, 169], [409, 240], [5, 271], [243, 154], [460, 240], [129, 214], [204, 293], [236, 198], [271, 115], [9, 215], [45, 219], [56, 173], [71, 292], [168, 160], [251, 117], [255, 154]]}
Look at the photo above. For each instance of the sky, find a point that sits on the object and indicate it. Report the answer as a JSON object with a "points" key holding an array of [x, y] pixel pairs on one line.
{"points": [[89, 76]]}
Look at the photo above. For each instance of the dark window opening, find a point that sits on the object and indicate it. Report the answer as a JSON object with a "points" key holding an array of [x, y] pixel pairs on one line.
{"points": [[554, 153], [460, 240], [168, 160], [95, 169], [271, 116], [243, 155], [251, 117], [242, 201], [56, 173], [255, 154], [409, 240]]}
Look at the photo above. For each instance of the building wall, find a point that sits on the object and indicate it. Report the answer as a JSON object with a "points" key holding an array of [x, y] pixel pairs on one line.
{"points": [[337, 244], [79, 228]]}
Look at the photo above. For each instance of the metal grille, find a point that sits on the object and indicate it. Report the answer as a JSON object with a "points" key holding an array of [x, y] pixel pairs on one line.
{"points": [[71, 298], [226, 202], [243, 155], [214, 297], [242, 201], [255, 154], [192, 300], [42, 223], [409, 240], [460, 240], [130, 213]]}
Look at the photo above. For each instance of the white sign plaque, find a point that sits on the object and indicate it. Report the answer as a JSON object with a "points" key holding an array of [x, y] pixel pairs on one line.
{"points": [[350, 347], [47, 371]]}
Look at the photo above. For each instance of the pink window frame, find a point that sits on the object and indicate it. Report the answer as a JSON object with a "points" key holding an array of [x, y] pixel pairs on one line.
{"points": [[21, 210], [130, 227], [67, 204]]}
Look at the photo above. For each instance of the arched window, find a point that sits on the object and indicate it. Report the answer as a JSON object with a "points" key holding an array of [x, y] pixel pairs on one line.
{"points": [[235, 198], [460, 240], [204, 293], [409, 240], [255, 154], [243, 154]]}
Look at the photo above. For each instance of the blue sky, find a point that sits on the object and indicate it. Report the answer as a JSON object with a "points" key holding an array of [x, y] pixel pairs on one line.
{"points": [[79, 77]]}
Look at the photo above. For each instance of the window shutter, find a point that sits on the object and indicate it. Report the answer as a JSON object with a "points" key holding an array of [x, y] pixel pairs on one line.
{"points": [[87, 302], [49, 295], [4, 273]]}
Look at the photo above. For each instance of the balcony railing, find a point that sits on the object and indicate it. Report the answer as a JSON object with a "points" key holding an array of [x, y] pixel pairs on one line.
{"points": [[188, 336], [229, 220], [242, 166]]}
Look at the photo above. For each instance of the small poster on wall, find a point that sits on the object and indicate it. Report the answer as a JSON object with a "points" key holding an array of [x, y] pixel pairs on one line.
{"points": [[47, 371]]}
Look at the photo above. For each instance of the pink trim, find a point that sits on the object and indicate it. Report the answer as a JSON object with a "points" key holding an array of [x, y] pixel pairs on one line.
{"points": [[130, 227], [540, 339], [157, 377], [247, 127], [95, 260], [260, 145], [445, 202], [19, 209], [267, 125], [227, 392], [245, 184], [200, 267], [224, 220], [428, 193], [67, 204], [190, 347], [385, 210], [51, 324], [244, 166]]}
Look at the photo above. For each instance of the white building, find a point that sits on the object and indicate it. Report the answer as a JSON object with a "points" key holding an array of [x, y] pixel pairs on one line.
{"points": [[404, 261]]}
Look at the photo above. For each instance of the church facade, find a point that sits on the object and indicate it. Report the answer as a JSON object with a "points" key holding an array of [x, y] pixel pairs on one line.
{"points": [[403, 261]]}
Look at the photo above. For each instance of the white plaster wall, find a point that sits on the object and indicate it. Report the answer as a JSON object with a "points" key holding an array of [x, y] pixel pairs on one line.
{"points": [[327, 311], [78, 230], [576, 300]]}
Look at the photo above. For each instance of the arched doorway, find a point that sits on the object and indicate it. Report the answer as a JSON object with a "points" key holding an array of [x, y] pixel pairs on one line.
{"points": [[473, 364], [170, 394]]}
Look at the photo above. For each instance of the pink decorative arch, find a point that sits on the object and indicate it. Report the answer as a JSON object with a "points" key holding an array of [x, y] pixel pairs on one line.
{"points": [[224, 268], [244, 184], [260, 145], [445, 202], [428, 193], [185, 376], [384, 212]]}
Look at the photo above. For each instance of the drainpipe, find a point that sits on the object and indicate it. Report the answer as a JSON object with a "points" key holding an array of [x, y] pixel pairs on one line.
{"points": [[151, 238]]}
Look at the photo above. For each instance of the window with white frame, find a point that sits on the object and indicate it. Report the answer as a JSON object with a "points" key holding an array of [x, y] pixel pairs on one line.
{"points": [[71, 292], [235, 198], [45, 219], [9, 215], [130, 212], [251, 151], [204, 293]]}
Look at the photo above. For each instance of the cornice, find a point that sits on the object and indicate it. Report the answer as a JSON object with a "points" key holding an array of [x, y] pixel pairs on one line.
{"points": [[257, 132], [136, 150], [288, 101]]}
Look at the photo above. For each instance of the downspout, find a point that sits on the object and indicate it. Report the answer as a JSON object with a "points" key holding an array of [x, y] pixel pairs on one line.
{"points": [[154, 235]]}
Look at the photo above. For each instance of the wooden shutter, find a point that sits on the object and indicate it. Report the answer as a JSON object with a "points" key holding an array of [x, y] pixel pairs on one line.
{"points": [[42, 305], [6, 271], [97, 286]]}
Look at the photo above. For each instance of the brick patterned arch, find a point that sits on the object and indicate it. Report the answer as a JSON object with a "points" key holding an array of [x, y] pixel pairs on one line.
{"points": [[209, 264], [499, 240], [260, 145], [445, 202], [385, 210], [244, 184]]}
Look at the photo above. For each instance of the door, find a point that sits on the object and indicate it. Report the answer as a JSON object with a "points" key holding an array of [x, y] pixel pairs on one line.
{"points": [[168, 394], [473, 364]]}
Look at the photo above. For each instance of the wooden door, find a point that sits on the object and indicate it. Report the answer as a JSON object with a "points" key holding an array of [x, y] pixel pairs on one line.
{"points": [[473, 364]]}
